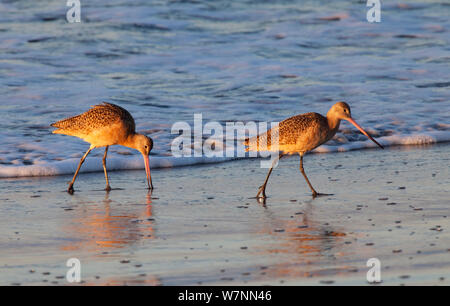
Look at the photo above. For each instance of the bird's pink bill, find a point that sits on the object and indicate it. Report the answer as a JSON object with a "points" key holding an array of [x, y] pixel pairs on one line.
{"points": [[147, 171], [362, 131]]}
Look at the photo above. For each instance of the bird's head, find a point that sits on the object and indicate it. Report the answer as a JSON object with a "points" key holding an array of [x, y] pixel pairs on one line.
{"points": [[143, 144], [341, 111]]}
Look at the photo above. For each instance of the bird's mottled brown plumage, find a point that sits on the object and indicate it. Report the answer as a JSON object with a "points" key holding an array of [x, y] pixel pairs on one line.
{"points": [[100, 119], [300, 133], [98, 116]]}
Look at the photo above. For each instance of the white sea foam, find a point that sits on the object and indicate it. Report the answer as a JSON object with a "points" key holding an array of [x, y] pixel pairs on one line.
{"points": [[94, 164]]}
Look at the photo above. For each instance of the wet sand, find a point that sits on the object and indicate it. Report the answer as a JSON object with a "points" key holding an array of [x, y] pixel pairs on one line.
{"points": [[201, 226]]}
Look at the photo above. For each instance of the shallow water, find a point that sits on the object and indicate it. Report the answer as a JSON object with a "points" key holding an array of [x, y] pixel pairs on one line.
{"points": [[228, 60]]}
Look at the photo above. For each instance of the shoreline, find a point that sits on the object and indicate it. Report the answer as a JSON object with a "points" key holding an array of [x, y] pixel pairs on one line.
{"points": [[93, 164]]}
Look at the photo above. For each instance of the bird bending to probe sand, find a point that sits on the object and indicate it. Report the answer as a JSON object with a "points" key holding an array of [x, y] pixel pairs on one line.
{"points": [[105, 125]]}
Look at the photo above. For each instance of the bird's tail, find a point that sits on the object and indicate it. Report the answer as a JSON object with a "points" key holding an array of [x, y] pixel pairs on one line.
{"points": [[55, 125], [246, 143], [263, 142], [62, 127]]}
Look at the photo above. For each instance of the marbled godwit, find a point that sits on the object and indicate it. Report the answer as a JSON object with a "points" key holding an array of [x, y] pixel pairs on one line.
{"points": [[300, 134], [105, 125]]}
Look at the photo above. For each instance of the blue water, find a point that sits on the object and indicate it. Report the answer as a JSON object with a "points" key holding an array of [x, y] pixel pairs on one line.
{"points": [[228, 60]]}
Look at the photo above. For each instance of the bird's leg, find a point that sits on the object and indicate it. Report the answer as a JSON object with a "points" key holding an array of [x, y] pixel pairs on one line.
{"points": [[262, 189], [108, 188], [70, 189], [314, 192]]}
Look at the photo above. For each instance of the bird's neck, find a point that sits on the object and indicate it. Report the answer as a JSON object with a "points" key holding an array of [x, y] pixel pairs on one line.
{"points": [[130, 141], [333, 124]]}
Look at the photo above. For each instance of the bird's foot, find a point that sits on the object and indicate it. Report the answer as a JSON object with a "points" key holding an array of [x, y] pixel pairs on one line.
{"points": [[108, 188], [70, 190], [261, 192], [318, 194], [261, 201]]}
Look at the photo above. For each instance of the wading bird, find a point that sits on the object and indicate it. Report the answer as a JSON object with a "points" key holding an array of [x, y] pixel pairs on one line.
{"points": [[300, 134], [105, 125]]}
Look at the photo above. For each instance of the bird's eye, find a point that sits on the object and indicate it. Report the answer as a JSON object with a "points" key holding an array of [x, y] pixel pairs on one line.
{"points": [[146, 147]]}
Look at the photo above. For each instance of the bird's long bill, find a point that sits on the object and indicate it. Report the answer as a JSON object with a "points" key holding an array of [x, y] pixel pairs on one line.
{"points": [[147, 171], [362, 131]]}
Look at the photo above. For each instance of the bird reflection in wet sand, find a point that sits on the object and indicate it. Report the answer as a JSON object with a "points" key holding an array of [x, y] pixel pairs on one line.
{"points": [[301, 244], [98, 227]]}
